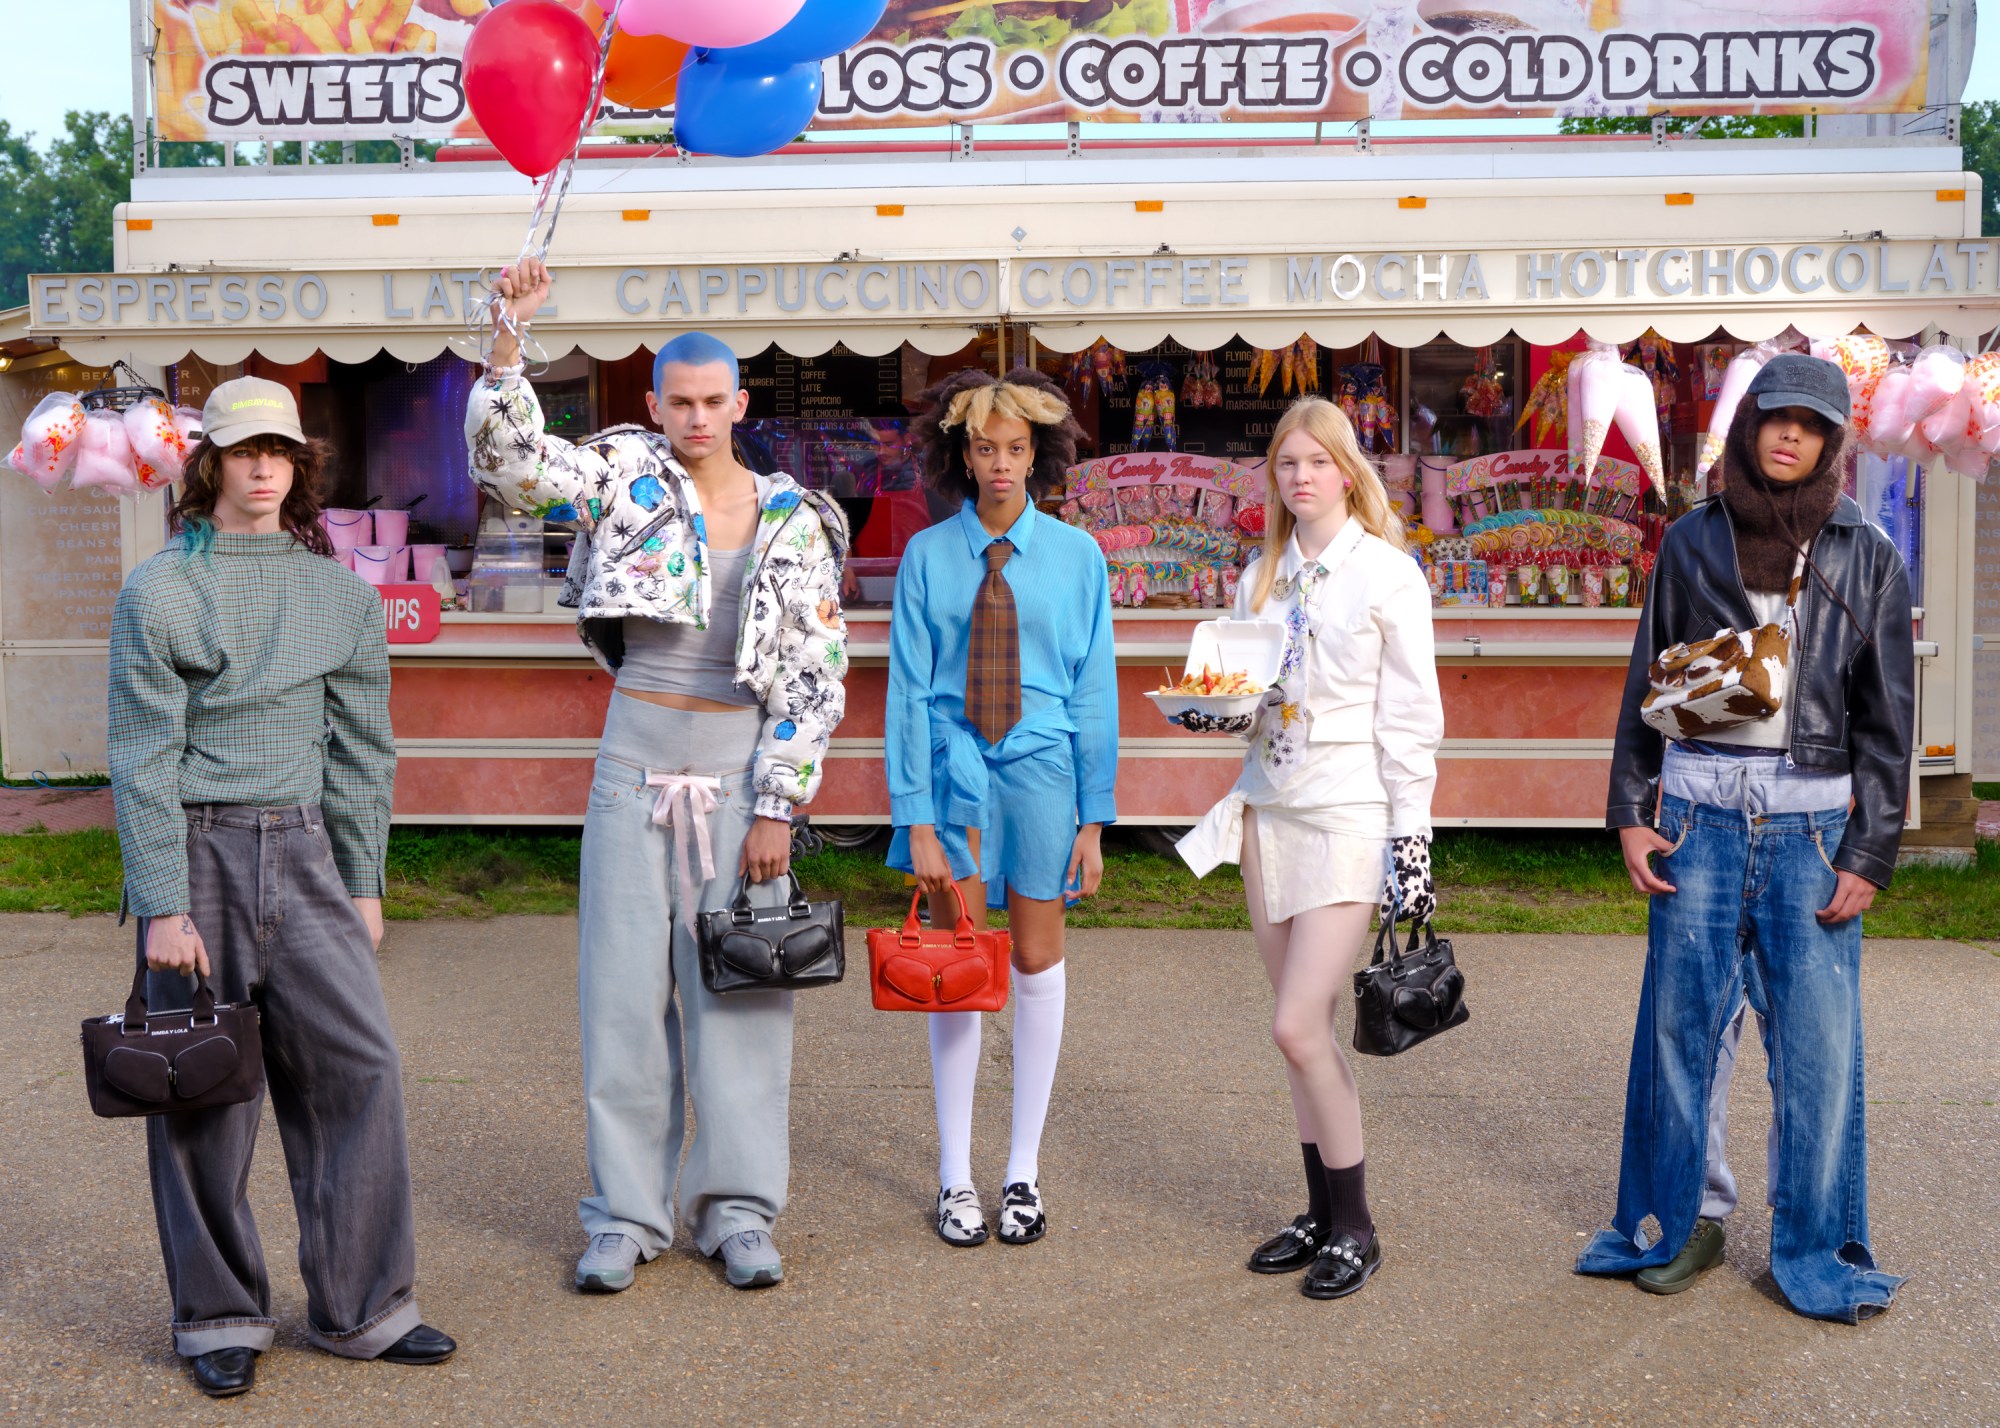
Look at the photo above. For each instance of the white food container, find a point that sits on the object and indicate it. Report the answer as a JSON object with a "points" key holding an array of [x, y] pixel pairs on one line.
{"points": [[1252, 647]]}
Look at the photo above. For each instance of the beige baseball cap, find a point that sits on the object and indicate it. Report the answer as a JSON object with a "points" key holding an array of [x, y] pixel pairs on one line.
{"points": [[247, 407]]}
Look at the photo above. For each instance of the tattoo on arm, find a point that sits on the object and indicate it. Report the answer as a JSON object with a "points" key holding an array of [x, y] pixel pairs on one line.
{"points": [[187, 925]]}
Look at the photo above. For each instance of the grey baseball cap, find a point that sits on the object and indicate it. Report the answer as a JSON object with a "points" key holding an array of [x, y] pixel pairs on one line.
{"points": [[247, 407], [1792, 379]]}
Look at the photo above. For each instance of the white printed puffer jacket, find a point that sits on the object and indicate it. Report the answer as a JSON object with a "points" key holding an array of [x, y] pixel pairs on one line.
{"points": [[642, 550]]}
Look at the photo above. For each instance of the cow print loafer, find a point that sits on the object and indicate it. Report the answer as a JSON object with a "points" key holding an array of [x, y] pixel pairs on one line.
{"points": [[1021, 1219], [1341, 1267], [1291, 1249], [960, 1221]]}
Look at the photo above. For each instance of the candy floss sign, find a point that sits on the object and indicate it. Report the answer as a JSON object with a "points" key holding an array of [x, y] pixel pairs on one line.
{"points": [[312, 69], [1028, 60]]}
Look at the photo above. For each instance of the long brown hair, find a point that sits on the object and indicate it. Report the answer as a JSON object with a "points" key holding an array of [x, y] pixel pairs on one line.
{"points": [[201, 487], [1367, 498]]}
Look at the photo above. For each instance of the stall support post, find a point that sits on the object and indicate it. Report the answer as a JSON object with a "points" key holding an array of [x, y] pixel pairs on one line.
{"points": [[142, 73]]}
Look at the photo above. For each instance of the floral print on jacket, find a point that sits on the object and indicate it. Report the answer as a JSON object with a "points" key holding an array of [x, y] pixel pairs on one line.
{"points": [[642, 551]]}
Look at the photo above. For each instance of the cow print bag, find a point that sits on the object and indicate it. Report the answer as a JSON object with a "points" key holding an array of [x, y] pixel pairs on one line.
{"points": [[1733, 677]]}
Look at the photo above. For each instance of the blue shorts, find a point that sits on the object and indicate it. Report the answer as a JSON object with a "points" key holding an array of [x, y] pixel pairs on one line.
{"points": [[1029, 833]]}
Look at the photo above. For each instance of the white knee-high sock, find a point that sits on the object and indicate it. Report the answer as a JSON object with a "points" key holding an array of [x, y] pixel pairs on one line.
{"points": [[1039, 999], [954, 1070]]}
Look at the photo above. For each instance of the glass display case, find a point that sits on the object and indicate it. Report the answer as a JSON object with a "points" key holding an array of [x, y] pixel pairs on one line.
{"points": [[1462, 400]]}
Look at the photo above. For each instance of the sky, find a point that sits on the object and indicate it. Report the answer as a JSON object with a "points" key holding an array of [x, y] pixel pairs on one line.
{"points": [[46, 69]]}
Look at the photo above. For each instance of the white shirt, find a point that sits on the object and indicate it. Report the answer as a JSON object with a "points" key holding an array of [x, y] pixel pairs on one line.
{"points": [[1349, 742]]}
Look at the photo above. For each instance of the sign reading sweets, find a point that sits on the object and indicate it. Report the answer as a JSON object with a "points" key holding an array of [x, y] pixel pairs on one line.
{"points": [[379, 68]]}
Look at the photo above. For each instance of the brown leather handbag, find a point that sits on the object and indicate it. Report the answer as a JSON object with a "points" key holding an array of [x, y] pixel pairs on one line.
{"points": [[143, 1063], [925, 969]]}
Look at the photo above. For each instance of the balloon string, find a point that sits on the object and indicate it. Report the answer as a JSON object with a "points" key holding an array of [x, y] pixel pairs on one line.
{"points": [[555, 185]]}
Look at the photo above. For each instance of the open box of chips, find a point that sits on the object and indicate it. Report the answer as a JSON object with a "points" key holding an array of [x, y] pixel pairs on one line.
{"points": [[1231, 665]]}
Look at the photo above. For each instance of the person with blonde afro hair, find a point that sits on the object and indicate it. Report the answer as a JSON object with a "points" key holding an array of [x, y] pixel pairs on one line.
{"points": [[1001, 745]]}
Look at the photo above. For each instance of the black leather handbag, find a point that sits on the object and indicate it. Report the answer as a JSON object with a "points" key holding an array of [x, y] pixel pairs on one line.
{"points": [[146, 1063], [1403, 998], [792, 947]]}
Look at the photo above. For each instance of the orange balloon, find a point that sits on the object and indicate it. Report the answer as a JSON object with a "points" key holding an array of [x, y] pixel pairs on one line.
{"points": [[643, 71], [592, 14]]}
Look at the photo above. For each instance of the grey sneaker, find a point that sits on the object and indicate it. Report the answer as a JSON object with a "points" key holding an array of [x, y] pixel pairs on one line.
{"points": [[606, 1267], [751, 1259]]}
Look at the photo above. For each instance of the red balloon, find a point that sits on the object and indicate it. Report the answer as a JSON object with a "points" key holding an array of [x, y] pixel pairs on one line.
{"points": [[529, 69]]}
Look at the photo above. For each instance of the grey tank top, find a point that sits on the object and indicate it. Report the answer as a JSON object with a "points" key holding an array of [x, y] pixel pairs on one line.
{"points": [[661, 658]]}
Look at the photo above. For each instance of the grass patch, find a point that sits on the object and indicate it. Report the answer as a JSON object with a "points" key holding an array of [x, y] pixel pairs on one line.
{"points": [[1987, 791], [1536, 882]]}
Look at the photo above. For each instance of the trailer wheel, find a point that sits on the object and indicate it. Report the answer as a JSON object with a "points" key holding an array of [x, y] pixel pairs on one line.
{"points": [[852, 837]]}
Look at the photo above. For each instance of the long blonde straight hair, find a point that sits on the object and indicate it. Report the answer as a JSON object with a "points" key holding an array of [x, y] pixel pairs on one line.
{"points": [[1367, 499]]}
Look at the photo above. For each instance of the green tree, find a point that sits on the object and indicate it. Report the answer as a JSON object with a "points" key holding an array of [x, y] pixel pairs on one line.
{"points": [[1979, 137], [1714, 126], [56, 205]]}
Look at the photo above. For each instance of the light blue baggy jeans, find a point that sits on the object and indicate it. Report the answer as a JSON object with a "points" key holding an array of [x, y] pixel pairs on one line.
{"points": [[636, 956], [1752, 861]]}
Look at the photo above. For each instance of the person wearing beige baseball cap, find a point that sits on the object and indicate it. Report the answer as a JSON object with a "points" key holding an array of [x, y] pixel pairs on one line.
{"points": [[249, 741], [253, 471]]}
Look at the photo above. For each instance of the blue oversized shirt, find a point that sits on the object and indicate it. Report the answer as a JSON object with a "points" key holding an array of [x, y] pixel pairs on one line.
{"points": [[1069, 677]]}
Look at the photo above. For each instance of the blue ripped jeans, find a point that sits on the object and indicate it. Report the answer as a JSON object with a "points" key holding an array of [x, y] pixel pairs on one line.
{"points": [[1748, 882]]}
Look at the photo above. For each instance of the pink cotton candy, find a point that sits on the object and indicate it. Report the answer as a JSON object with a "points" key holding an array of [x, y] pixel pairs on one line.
{"points": [[104, 456], [1936, 377], [1864, 359], [1888, 426], [49, 440], [1735, 382], [1982, 377], [158, 448], [1639, 423], [1947, 425], [1968, 459], [1598, 392]]}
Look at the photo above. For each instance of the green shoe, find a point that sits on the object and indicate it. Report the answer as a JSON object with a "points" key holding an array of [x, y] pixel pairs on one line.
{"points": [[1702, 1251]]}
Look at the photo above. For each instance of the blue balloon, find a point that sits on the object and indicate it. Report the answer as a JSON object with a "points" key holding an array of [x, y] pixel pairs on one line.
{"points": [[820, 29], [742, 110]]}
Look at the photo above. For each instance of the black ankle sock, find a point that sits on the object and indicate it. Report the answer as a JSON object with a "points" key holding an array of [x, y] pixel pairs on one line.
{"points": [[1347, 1201], [1317, 1204]]}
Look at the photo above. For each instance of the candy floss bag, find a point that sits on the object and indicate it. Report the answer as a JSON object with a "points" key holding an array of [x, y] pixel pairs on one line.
{"points": [[104, 455], [49, 440]]}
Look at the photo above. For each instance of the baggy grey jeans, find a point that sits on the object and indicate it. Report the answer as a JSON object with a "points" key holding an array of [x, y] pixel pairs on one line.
{"points": [[282, 931], [636, 956]]}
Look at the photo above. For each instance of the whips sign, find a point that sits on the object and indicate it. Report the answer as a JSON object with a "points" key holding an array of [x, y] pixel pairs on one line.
{"points": [[382, 68]]}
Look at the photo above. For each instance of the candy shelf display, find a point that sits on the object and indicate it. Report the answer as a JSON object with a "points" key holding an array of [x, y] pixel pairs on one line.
{"points": [[1522, 528], [1174, 528]]}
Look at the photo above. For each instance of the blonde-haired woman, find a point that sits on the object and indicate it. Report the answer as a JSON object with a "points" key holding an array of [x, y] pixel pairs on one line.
{"points": [[1334, 800], [1001, 741]]}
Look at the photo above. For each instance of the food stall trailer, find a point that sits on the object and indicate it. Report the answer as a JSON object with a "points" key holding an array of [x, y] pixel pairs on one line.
{"points": [[1194, 290]]}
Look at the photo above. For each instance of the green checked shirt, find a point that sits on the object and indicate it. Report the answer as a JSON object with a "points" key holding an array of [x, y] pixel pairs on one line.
{"points": [[254, 673]]}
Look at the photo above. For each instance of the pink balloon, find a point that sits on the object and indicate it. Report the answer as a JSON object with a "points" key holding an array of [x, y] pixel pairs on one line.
{"points": [[711, 24]]}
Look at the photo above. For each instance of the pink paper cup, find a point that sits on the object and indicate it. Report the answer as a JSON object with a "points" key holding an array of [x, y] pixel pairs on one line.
{"points": [[382, 564], [422, 557], [348, 529], [392, 527]]}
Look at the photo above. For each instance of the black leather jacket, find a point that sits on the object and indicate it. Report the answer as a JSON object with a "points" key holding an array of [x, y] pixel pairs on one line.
{"points": [[1853, 700]]}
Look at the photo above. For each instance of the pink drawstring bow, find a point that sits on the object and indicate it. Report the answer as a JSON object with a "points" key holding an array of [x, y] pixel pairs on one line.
{"points": [[686, 798]]}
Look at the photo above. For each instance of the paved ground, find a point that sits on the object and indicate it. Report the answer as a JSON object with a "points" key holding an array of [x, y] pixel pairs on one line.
{"points": [[55, 810], [1170, 1152]]}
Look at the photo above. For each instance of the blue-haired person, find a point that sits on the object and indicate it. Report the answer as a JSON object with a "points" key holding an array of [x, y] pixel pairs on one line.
{"points": [[712, 594]]}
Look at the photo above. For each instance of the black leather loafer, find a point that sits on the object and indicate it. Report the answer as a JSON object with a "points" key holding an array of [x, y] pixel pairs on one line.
{"points": [[422, 1345], [1291, 1249], [224, 1373], [1341, 1267]]}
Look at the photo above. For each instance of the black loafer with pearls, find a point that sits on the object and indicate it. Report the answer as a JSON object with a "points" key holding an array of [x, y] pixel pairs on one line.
{"points": [[1291, 1249], [1341, 1267]]}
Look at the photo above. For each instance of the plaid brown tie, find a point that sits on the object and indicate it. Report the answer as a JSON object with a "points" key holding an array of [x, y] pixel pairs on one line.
{"points": [[993, 666]]}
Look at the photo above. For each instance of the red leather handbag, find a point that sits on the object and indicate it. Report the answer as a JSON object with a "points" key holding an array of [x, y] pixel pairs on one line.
{"points": [[925, 969]]}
